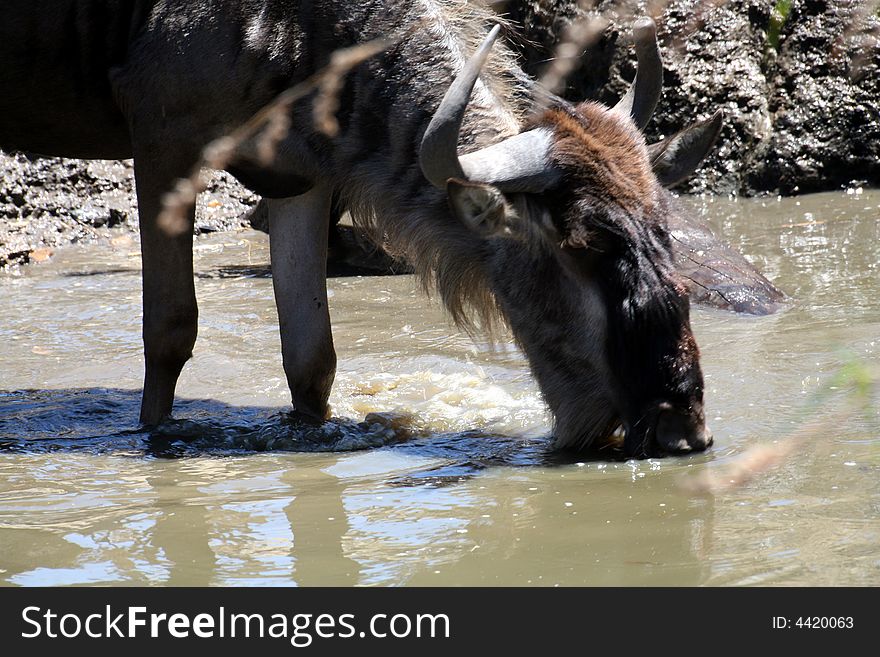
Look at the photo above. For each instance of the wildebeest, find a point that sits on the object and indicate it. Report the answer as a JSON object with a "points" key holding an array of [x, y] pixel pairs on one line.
{"points": [[554, 221]]}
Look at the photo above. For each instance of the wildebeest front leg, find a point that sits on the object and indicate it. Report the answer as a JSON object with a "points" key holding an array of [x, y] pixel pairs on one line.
{"points": [[170, 311], [298, 248]]}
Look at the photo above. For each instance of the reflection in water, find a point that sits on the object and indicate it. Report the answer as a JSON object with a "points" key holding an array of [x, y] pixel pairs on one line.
{"points": [[181, 534], [448, 482], [56, 557], [319, 523]]}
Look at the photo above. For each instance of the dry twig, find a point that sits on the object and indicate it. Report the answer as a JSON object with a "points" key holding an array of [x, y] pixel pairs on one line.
{"points": [[274, 122]]}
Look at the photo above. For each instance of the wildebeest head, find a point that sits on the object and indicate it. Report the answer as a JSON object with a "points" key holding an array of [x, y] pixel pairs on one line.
{"points": [[573, 211]]}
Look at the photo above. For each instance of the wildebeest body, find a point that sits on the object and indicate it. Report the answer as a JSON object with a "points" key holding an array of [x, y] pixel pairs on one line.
{"points": [[57, 56], [159, 80], [83, 76]]}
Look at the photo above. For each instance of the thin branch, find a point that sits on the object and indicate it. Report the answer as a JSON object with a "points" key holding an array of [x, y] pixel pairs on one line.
{"points": [[274, 122]]}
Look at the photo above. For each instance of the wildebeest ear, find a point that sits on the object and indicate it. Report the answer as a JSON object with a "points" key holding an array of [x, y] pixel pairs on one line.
{"points": [[478, 206], [677, 157]]}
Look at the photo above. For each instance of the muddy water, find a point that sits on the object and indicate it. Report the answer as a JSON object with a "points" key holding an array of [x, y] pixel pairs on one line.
{"points": [[448, 480]]}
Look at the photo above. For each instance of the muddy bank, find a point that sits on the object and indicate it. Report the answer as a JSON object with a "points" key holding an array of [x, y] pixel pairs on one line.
{"points": [[50, 202], [800, 91]]}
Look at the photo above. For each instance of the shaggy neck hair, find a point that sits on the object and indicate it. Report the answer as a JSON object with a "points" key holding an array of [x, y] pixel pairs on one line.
{"points": [[389, 102]]}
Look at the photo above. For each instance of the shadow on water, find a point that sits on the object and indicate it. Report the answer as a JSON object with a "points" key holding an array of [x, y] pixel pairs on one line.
{"points": [[99, 421], [206, 521], [237, 271], [109, 271], [335, 269], [213, 517]]}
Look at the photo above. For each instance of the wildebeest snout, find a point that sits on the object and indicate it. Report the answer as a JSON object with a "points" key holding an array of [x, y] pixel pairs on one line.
{"points": [[666, 429], [678, 432]]}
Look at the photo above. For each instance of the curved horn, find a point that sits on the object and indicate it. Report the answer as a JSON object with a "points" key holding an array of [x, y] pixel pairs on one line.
{"points": [[644, 92], [438, 153], [517, 164]]}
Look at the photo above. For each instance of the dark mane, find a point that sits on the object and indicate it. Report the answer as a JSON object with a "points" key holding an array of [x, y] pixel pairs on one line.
{"points": [[382, 183], [611, 197]]}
